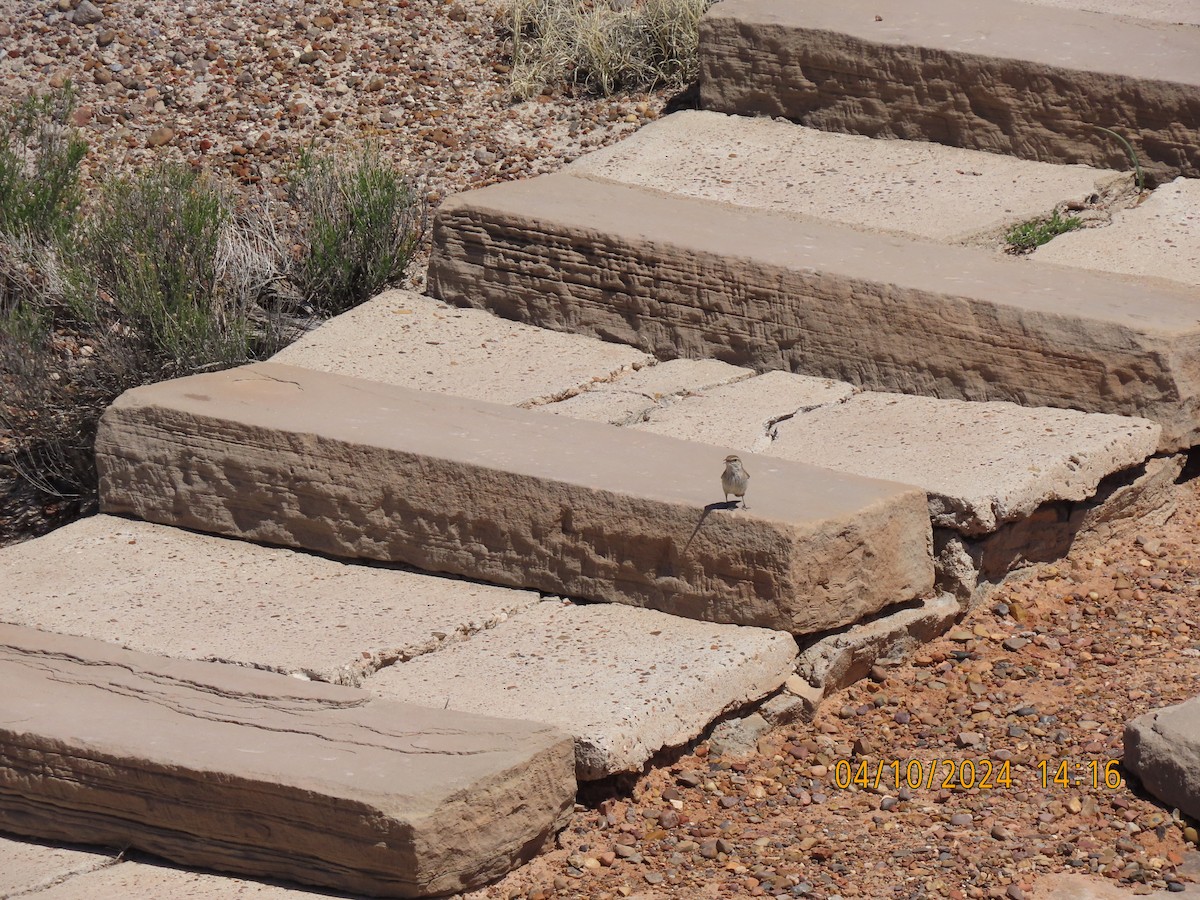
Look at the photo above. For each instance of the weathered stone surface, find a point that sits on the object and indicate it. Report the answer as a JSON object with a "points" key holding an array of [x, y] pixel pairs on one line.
{"points": [[1158, 238], [178, 593], [631, 397], [982, 464], [838, 660], [1174, 12], [998, 75], [238, 770], [624, 682], [27, 866], [910, 188], [746, 415], [404, 338], [129, 880], [1162, 748], [1141, 497], [355, 468], [682, 277], [738, 737]]}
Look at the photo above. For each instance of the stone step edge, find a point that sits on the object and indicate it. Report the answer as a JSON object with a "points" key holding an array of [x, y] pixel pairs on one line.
{"points": [[919, 73], [237, 453], [244, 771], [685, 277]]}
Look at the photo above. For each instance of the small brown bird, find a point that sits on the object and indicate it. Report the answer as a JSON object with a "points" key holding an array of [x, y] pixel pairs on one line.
{"points": [[735, 479]]}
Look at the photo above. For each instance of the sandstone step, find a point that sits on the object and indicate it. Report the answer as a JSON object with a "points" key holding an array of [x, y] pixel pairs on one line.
{"points": [[178, 593], [290, 456], [238, 770], [626, 683], [1158, 238], [907, 188], [681, 277], [999, 75], [404, 338], [982, 464], [34, 870], [27, 867]]}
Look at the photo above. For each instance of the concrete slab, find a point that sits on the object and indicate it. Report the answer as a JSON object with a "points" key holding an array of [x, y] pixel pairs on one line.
{"points": [[1160, 238], [27, 867], [407, 339], [624, 682], [681, 277], [982, 464], [178, 593], [630, 397], [1162, 748], [998, 75], [355, 468], [910, 188], [745, 415], [237, 770]]}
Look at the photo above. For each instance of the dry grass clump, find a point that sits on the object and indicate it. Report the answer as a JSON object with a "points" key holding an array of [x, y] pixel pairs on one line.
{"points": [[603, 47]]}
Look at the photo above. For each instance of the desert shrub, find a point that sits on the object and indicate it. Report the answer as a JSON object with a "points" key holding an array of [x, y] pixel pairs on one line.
{"points": [[167, 255], [603, 48], [360, 222], [39, 166], [161, 274], [162, 277]]}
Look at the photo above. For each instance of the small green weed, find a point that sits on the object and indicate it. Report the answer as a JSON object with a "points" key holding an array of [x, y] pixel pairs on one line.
{"points": [[1029, 235]]}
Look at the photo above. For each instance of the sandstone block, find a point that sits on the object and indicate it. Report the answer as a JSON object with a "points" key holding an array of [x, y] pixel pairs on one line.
{"points": [[680, 277], [251, 772], [178, 593], [838, 660], [998, 75], [982, 464], [632, 397], [354, 468], [1158, 238], [624, 682], [746, 415], [1162, 748]]}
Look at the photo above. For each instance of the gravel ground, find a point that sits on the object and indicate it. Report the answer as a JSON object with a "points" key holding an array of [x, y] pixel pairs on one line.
{"points": [[1049, 671], [244, 86]]}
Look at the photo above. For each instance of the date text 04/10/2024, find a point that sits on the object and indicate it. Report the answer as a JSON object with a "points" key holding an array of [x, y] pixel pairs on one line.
{"points": [[965, 774]]}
